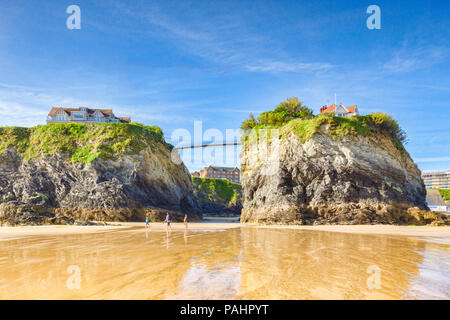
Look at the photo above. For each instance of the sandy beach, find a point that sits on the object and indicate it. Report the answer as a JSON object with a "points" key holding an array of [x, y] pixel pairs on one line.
{"points": [[10, 233], [415, 231]]}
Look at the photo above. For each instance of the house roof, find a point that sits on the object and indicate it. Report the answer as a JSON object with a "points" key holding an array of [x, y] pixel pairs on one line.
{"points": [[53, 111], [351, 109], [227, 169], [105, 112], [125, 119], [330, 108], [333, 107]]}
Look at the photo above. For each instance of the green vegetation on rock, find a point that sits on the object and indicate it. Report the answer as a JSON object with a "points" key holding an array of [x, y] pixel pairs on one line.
{"points": [[82, 143], [445, 193], [285, 111], [291, 117], [224, 189]]}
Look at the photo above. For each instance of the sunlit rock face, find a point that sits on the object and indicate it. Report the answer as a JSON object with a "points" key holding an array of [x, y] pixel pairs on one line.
{"points": [[329, 180], [51, 189]]}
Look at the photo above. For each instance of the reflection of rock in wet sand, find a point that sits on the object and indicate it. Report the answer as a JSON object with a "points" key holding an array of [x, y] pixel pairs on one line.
{"points": [[249, 263], [117, 265], [433, 281], [295, 264], [215, 273], [200, 282]]}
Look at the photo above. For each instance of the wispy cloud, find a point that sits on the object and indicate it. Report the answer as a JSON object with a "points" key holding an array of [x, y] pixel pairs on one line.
{"points": [[282, 66], [16, 114], [412, 59], [224, 39]]}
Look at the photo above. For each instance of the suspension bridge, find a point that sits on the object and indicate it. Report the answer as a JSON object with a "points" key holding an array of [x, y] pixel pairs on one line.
{"points": [[209, 145]]}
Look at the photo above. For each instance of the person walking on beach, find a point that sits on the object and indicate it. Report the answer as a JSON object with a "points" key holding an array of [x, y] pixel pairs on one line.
{"points": [[185, 221], [147, 222], [168, 221]]}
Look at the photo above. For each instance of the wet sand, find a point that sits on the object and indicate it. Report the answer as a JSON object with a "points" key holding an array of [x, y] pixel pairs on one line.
{"points": [[9, 233], [224, 261], [415, 231]]}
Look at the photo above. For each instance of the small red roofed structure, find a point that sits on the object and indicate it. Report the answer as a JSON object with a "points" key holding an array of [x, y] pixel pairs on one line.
{"points": [[340, 110]]}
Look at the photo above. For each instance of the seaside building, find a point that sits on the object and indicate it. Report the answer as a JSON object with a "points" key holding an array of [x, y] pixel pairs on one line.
{"points": [[231, 174], [84, 115], [437, 180], [340, 110]]}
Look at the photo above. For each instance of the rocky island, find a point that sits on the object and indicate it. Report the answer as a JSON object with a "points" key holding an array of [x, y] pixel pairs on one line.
{"points": [[64, 173], [298, 168]]}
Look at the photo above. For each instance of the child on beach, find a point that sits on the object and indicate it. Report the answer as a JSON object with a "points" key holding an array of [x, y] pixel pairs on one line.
{"points": [[147, 222], [168, 221], [185, 221]]}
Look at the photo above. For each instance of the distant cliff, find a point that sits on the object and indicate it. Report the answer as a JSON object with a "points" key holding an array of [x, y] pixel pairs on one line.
{"points": [[218, 196], [332, 170], [62, 173]]}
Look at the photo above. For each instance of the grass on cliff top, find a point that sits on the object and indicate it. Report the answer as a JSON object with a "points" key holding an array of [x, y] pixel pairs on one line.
{"points": [[445, 193], [223, 188], [82, 143], [287, 118]]}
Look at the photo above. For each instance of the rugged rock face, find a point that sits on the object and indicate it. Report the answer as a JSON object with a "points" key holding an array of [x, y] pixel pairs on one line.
{"points": [[329, 180], [51, 189]]}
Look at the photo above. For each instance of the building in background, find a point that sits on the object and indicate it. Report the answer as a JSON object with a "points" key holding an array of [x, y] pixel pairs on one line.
{"points": [[231, 174], [437, 180], [84, 115]]}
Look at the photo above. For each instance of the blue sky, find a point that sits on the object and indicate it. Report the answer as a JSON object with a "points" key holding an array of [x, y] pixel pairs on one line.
{"points": [[171, 63]]}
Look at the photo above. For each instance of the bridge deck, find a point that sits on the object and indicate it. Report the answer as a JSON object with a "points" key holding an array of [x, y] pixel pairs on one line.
{"points": [[209, 145]]}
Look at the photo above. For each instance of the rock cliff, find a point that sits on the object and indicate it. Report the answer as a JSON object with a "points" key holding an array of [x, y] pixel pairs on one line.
{"points": [[331, 170], [63, 173]]}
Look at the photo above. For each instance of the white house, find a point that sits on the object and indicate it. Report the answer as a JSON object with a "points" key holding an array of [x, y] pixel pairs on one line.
{"points": [[84, 115], [340, 110]]}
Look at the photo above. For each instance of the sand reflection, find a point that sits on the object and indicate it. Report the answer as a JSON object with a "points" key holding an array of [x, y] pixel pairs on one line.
{"points": [[247, 263]]}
